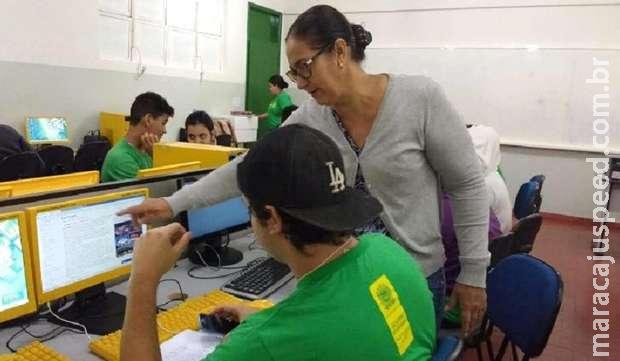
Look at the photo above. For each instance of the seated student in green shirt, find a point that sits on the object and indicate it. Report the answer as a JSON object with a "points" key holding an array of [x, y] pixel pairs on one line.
{"points": [[147, 124], [359, 298]]}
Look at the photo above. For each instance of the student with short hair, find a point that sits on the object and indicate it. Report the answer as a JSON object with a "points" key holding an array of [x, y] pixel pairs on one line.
{"points": [[199, 127], [147, 124], [357, 298]]}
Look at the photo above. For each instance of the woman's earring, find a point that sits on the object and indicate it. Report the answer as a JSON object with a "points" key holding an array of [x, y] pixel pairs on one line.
{"points": [[340, 64]]}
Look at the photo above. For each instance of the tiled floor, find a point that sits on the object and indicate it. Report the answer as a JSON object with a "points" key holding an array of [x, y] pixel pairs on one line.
{"points": [[565, 243]]}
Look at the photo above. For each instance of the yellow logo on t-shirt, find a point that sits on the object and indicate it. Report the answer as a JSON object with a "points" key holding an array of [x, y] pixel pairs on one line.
{"points": [[393, 312]]}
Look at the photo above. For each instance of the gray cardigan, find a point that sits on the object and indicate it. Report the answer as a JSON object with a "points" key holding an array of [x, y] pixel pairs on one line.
{"points": [[418, 145]]}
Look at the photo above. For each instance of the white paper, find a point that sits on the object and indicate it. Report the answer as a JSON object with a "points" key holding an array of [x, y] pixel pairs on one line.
{"points": [[189, 345], [181, 49], [152, 10], [149, 39], [114, 38], [120, 7], [181, 14], [210, 53], [210, 16]]}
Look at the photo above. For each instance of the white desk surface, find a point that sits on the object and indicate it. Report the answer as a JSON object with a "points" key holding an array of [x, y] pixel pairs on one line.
{"points": [[75, 346]]}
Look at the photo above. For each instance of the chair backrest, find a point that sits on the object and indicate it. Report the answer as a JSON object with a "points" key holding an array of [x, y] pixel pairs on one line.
{"points": [[540, 179], [58, 159], [182, 135], [449, 348], [500, 248], [525, 202], [524, 295], [90, 156], [224, 140], [525, 231], [21, 165]]}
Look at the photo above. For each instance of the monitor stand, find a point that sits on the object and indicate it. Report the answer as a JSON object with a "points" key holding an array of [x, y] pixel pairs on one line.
{"points": [[99, 311], [213, 253]]}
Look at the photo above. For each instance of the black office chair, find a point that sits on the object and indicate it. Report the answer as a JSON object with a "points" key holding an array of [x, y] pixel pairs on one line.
{"points": [[525, 232], [90, 156], [540, 179], [500, 248], [182, 135], [528, 200], [224, 140], [58, 159], [21, 165]]}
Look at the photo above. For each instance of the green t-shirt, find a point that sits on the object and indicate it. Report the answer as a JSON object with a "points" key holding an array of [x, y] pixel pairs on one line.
{"points": [[341, 312], [274, 113], [124, 161]]}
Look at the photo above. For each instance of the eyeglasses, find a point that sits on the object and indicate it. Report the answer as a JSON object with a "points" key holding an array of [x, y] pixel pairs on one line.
{"points": [[304, 70]]}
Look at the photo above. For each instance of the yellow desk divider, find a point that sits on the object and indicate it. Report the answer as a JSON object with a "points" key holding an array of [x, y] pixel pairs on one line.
{"points": [[209, 156], [6, 192], [113, 126], [174, 321], [168, 169], [52, 183]]}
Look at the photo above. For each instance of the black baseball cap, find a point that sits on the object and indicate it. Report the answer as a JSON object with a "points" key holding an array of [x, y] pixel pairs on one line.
{"points": [[300, 171]]}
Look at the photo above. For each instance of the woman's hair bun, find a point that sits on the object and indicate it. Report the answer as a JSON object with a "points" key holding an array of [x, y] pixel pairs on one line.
{"points": [[361, 35]]}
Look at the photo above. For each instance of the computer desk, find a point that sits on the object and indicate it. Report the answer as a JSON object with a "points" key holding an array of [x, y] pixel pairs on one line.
{"points": [[75, 346]]}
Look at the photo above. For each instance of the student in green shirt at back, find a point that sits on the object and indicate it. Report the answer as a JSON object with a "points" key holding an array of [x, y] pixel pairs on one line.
{"points": [[147, 124], [357, 298]]}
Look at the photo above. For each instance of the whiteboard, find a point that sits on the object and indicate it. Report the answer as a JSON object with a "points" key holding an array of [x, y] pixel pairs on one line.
{"points": [[537, 97]]}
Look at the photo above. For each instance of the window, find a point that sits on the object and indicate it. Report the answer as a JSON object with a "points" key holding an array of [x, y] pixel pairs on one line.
{"points": [[186, 34]]}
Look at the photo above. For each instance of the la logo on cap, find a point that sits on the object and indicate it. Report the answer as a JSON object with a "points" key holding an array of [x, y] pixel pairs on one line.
{"points": [[337, 178]]}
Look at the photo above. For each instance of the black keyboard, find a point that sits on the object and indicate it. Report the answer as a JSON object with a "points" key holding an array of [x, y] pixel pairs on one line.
{"points": [[260, 280]]}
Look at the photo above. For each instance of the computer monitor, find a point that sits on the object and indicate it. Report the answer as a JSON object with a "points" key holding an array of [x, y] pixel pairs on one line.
{"points": [[17, 297], [47, 130], [210, 228], [77, 246]]}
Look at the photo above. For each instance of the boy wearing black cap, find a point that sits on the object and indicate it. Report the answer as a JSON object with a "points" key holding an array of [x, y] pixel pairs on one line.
{"points": [[147, 124], [356, 298]]}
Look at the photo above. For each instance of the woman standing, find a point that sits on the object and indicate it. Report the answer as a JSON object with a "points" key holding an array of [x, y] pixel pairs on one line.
{"points": [[401, 141], [273, 118]]}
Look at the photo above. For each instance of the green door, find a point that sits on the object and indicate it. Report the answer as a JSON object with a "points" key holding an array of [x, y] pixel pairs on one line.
{"points": [[264, 31]]}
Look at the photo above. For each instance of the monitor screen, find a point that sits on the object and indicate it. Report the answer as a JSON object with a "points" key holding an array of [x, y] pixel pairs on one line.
{"points": [[84, 240], [218, 218], [47, 129], [230, 214], [13, 278]]}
